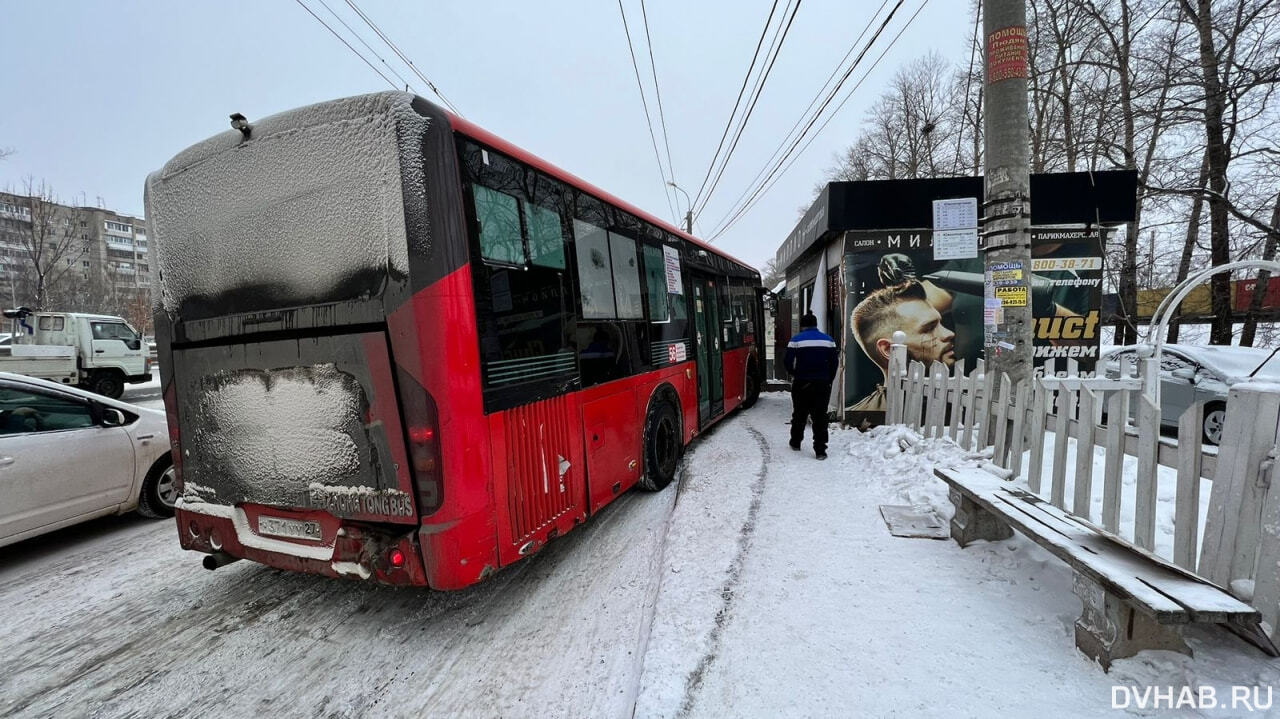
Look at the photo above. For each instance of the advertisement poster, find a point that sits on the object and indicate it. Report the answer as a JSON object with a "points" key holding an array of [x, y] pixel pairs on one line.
{"points": [[950, 309]]}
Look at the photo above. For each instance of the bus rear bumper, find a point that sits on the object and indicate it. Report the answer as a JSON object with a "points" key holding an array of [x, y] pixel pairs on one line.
{"points": [[357, 551]]}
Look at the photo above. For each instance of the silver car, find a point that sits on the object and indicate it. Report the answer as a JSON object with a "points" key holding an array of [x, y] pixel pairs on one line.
{"points": [[1193, 374], [67, 456]]}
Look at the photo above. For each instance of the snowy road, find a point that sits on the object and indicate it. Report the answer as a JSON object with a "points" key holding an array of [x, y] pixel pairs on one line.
{"points": [[116, 620]]}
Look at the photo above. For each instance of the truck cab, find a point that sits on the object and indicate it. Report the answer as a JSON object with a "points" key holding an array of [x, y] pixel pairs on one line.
{"points": [[101, 353]]}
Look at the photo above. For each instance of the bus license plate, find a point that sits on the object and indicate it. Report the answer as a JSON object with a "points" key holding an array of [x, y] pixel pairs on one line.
{"points": [[297, 529]]}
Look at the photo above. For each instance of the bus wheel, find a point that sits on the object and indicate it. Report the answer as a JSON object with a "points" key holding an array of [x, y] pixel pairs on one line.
{"points": [[661, 446], [753, 391]]}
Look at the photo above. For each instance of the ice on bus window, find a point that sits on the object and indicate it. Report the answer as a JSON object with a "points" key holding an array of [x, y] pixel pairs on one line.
{"points": [[655, 276], [626, 277], [499, 216], [595, 277], [546, 242]]}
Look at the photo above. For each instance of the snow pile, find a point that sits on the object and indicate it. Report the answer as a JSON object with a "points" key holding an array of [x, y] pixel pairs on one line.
{"points": [[313, 199], [899, 464]]}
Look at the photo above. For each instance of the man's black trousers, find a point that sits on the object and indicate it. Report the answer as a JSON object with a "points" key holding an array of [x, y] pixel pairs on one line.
{"points": [[809, 401]]}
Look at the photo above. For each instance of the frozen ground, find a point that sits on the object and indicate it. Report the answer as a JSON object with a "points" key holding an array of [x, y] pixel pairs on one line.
{"points": [[765, 584]]}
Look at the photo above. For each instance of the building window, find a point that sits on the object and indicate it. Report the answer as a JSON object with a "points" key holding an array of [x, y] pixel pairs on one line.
{"points": [[119, 227]]}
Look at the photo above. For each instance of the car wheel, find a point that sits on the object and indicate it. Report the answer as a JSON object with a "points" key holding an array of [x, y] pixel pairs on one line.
{"points": [[1215, 416], [107, 384], [662, 446], [160, 490]]}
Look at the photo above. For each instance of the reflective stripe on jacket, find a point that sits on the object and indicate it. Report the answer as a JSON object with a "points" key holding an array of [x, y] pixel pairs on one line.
{"points": [[812, 357]]}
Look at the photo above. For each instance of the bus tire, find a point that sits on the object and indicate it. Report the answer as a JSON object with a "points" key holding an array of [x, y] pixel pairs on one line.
{"points": [[753, 391], [662, 445], [108, 383]]}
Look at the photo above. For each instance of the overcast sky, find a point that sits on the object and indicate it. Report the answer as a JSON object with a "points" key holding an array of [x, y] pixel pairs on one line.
{"points": [[98, 94]]}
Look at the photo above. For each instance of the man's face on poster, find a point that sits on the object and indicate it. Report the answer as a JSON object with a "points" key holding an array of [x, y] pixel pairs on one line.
{"points": [[928, 340]]}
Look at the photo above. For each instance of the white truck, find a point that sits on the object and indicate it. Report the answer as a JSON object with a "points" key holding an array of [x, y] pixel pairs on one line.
{"points": [[100, 353]]}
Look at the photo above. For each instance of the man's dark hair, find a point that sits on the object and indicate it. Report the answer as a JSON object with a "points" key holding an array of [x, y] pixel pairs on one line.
{"points": [[809, 320], [872, 318]]}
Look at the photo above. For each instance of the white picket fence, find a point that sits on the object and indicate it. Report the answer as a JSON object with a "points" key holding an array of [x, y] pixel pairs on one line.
{"points": [[1238, 546]]}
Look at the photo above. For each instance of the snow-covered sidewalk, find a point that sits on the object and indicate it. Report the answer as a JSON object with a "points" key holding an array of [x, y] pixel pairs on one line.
{"points": [[816, 610]]}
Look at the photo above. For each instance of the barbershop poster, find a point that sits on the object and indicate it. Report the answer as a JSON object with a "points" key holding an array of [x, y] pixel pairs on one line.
{"points": [[948, 307]]}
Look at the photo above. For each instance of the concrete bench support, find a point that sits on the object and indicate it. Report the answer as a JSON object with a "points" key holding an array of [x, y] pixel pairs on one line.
{"points": [[1110, 628], [972, 522]]}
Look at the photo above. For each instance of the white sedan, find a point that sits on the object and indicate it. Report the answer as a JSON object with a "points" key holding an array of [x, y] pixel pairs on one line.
{"points": [[67, 456]]}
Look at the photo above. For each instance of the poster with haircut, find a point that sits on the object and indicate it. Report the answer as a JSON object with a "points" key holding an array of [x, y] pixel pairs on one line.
{"points": [[947, 307]]}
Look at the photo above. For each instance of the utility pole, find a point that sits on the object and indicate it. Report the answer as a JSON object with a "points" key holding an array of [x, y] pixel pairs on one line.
{"points": [[1008, 322], [688, 216]]}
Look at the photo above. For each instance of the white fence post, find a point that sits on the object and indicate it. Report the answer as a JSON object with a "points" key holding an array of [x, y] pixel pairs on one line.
{"points": [[897, 373], [1019, 426], [1248, 436], [1186, 512], [971, 404], [1083, 494], [1117, 418], [955, 406], [1039, 411]]}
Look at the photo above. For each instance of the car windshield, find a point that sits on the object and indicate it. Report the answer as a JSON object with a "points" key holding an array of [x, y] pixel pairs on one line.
{"points": [[113, 331]]}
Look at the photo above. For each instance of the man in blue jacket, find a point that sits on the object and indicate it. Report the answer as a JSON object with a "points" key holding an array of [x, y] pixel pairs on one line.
{"points": [[812, 361]]}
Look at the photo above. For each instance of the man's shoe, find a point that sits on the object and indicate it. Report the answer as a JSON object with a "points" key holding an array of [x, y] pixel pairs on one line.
{"points": [[821, 455], [794, 447]]}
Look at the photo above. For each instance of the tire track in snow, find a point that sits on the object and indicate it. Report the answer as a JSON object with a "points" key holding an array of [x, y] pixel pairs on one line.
{"points": [[745, 535]]}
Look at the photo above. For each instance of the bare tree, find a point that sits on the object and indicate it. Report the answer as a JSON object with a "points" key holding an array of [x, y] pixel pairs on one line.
{"points": [[1225, 49], [52, 238], [912, 130]]}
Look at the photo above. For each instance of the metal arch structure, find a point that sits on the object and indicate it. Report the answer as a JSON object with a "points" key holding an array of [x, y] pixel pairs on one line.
{"points": [[1160, 319]]}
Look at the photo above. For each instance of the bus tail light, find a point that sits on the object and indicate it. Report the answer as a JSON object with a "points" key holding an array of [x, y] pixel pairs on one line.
{"points": [[396, 558], [423, 435]]}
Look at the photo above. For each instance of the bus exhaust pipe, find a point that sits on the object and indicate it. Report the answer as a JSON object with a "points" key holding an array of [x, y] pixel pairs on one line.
{"points": [[218, 559]]}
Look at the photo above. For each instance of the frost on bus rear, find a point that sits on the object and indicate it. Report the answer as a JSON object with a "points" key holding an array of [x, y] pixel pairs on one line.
{"points": [[395, 347], [286, 250]]}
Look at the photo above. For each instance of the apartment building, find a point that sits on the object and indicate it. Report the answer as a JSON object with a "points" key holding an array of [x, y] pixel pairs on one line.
{"points": [[95, 259]]}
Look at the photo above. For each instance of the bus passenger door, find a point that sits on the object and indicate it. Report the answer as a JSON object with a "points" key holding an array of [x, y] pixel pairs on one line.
{"points": [[706, 319]]}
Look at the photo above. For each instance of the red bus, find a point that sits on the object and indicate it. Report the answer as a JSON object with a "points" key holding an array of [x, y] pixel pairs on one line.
{"points": [[395, 347]]}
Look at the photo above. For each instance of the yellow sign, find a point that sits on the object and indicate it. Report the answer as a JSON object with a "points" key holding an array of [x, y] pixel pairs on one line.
{"points": [[1012, 296], [1006, 275]]}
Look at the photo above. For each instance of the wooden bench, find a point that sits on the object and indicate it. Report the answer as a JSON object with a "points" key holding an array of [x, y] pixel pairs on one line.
{"points": [[1132, 600]]}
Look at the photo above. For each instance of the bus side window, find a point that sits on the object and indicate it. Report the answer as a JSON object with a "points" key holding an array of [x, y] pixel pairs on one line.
{"points": [[655, 275], [498, 215], [626, 277], [546, 241], [595, 272]]}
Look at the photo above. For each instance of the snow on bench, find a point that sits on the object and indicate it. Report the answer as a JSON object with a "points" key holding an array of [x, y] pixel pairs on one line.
{"points": [[1133, 600]]}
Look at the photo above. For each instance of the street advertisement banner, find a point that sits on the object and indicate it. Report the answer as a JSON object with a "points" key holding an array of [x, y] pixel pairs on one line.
{"points": [[950, 309]]}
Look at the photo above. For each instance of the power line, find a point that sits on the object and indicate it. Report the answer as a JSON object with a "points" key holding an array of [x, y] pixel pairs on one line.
{"points": [[729, 123], [968, 78], [796, 155], [373, 52], [721, 226], [776, 49], [666, 139], [647, 120], [368, 21], [344, 42], [804, 115]]}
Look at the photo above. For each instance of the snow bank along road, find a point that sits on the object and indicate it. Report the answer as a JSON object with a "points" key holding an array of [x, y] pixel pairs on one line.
{"points": [[764, 584]]}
